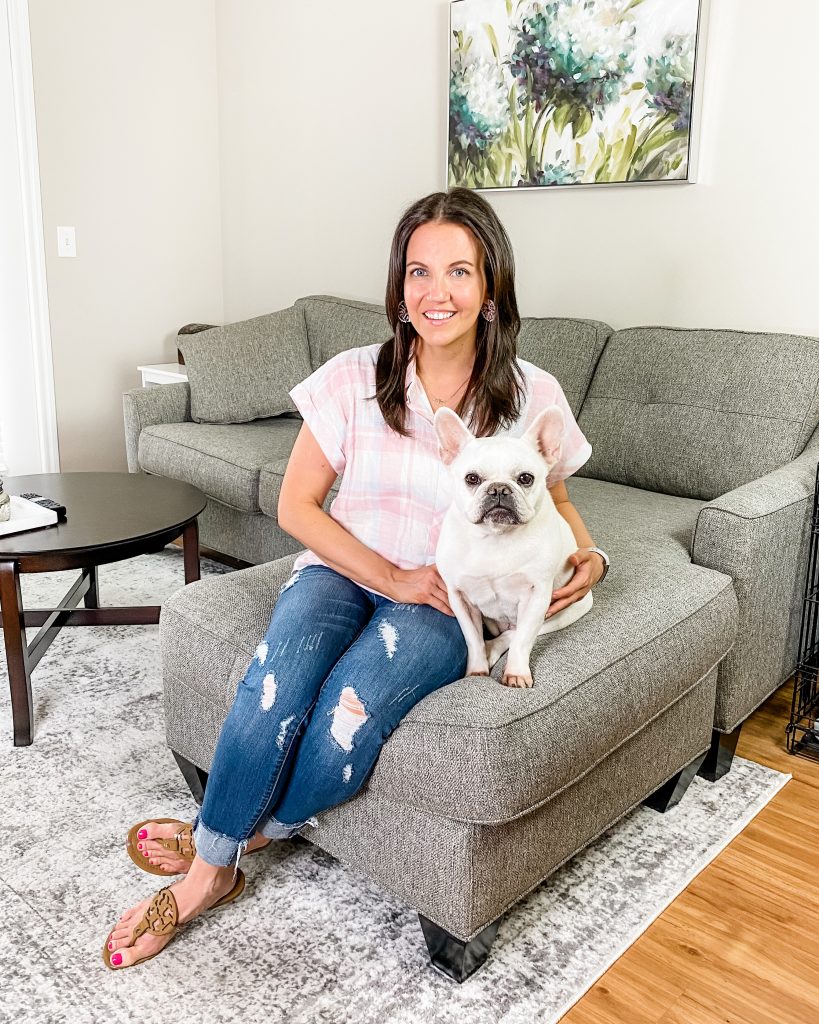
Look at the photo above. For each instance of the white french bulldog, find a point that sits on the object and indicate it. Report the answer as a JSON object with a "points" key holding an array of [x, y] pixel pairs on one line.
{"points": [[504, 546]]}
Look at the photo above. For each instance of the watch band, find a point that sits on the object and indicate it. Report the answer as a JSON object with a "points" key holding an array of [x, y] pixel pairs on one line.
{"points": [[605, 558]]}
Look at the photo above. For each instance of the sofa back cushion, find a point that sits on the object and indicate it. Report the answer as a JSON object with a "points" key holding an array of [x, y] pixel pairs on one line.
{"points": [[243, 371], [335, 325], [696, 413], [568, 349]]}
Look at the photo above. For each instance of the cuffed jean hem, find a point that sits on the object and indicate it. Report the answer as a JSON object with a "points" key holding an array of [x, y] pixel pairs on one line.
{"points": [[278, 830], [215, 849]]}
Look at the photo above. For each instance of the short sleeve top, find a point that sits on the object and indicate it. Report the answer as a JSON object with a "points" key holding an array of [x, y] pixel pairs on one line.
{"points": [[395, 490]]}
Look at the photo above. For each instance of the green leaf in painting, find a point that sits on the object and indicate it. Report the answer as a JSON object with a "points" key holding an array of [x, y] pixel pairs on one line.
{"points": [[581, 121], [493, 40], [562, 116]]}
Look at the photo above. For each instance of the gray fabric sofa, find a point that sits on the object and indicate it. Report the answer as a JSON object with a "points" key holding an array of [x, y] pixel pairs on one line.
{"points": [[699, 486]]}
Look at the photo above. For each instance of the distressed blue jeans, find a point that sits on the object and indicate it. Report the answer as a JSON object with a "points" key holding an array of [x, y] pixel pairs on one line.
{"points": [[338, 669]]}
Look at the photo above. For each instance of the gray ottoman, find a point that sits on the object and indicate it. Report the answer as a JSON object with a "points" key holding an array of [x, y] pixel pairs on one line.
{"points": [[483, 791]]}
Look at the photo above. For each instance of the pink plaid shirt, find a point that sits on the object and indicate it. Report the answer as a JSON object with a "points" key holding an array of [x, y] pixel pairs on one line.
{"points": [[395, 490]]}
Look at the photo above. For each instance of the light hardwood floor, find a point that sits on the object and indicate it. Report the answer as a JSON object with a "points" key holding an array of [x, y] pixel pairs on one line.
{"points": [[741, 944]]}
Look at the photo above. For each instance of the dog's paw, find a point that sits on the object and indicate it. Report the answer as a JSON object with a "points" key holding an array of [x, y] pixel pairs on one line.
{"points": [[477, 668], [524, 681]]}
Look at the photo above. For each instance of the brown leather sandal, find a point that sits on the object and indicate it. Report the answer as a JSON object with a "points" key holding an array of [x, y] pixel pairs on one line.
{"points": [[161, 918], [182, 843]]}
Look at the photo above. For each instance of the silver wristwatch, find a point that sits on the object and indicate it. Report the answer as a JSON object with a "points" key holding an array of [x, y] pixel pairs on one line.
{"points": [[605, 558]]}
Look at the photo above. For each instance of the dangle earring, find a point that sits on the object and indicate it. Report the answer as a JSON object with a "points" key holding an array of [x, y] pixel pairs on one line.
{"points": [[403, 315], [488, 311]]}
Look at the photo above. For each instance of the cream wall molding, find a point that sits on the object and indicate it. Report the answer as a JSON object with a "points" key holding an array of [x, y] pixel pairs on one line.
{"points": [[32, 218]]}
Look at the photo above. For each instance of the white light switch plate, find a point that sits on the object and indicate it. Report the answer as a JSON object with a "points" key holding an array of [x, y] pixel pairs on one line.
{"points": [[66, 242]]}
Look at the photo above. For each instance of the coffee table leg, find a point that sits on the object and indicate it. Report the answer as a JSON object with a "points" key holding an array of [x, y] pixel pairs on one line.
{"points": [[14, 635], [190, 544], [91, 598]]}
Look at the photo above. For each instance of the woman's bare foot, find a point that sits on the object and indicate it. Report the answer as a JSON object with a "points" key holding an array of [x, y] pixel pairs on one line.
{"points": [[174, 863], [203, 886]]}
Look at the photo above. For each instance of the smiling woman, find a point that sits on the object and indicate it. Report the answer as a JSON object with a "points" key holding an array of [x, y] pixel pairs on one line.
{"points": [[363, 629]]}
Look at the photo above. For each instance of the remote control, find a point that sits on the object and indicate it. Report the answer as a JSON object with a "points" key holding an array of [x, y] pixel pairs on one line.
{"points": [[38, 499]]}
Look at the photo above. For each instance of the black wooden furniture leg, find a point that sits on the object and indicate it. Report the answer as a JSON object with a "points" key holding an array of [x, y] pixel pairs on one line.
{"points": [[17, 654], [91, 598], [451, 955], [670, 794], [196, 778], [190, 548], [720, 757]]}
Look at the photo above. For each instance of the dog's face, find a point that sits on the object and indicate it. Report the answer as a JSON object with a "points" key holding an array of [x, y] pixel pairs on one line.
{"points": [[499, 482]]}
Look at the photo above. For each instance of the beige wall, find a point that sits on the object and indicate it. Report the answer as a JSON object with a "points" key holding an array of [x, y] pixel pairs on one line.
{"points": [[308, 128], [125, 99], [333, 120]]}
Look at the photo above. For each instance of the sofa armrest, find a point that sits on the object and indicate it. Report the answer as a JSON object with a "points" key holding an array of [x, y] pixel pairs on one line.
{"points": [[145, 407], [758, 534]]}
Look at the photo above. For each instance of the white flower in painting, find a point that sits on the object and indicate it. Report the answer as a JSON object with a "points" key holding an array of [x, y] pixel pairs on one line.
{"points": [[479, 101], [598, 31]]}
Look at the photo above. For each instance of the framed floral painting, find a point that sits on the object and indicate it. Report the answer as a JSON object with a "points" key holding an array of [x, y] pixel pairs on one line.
{"points": [[573, 92]]}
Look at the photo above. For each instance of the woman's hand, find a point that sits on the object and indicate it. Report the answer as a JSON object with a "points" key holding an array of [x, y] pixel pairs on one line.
{"points": [[420, 586], [588, 570]]}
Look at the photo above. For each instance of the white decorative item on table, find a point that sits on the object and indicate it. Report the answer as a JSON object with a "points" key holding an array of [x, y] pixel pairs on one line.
{"points": [[24, 515], [162, 373]]}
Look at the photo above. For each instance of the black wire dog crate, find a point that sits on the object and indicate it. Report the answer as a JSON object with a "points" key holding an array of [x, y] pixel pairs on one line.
{"points": [[802, 732]]}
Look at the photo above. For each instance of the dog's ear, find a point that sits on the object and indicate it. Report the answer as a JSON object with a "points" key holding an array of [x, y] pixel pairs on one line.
{"points": [[453, 434], [546, 433]]}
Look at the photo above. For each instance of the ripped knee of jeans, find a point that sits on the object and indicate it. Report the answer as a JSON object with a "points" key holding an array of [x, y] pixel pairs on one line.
{"points": [[348, 717]]}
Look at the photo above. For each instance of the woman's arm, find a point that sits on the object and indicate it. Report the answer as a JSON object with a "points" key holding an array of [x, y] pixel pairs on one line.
{"points": [[588, 565], [307, 482]]}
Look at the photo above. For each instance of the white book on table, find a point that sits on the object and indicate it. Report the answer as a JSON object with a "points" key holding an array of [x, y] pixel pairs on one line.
{"points": [[27, 515]]}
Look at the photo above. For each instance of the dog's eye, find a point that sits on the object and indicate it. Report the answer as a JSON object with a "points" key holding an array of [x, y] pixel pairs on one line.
{"points": [[472, 479], [526, 479]]}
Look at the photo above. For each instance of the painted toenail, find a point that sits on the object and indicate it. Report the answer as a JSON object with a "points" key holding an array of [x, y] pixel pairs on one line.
{"points": [[142, 834], [116, 959], [139, 846]]}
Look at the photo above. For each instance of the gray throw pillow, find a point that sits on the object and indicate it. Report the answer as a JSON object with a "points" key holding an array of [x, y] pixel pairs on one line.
{"points": [[243, 371]]}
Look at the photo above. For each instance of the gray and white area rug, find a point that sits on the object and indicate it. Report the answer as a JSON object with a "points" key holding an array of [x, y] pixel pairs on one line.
{"points": [[309, 942]]}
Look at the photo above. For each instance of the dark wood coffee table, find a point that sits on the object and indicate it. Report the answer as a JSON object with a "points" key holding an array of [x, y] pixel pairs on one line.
{"points": [[111, 516]]}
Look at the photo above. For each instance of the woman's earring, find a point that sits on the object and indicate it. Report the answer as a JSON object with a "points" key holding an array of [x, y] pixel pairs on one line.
{"points": [[488, 311], [403, 315]]}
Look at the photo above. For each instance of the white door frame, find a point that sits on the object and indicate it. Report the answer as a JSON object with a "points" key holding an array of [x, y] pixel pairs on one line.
{"points": [[32, 308]]}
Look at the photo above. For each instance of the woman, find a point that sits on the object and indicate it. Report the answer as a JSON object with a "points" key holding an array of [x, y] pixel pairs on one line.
{"points": [[362, 630]]}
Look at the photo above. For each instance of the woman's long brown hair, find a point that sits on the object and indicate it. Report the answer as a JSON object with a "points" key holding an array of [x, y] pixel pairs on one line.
{"points": [[497, 385]]}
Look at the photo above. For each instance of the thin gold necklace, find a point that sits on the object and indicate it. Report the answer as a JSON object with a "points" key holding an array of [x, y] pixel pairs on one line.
{"points": [[442, 401]]}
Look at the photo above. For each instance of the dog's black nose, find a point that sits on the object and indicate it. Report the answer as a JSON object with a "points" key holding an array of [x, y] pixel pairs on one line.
{"points": [[499, 490]]}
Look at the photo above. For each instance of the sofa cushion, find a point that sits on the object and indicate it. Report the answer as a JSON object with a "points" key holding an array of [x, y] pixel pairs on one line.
{"points": [[625, 521], [568, 349], [243, 371], [270, 485], [335, 325], [697, 413], [482, 752], [223, 461]]}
